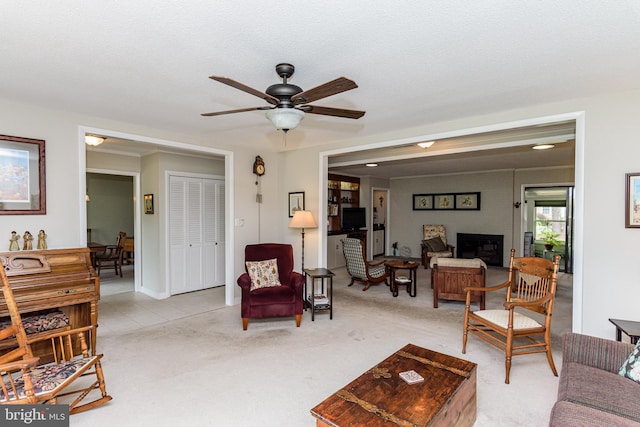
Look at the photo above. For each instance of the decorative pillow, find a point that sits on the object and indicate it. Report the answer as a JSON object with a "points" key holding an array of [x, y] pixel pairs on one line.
{"points": [[264, 274], [631, 367], [435, 245]]}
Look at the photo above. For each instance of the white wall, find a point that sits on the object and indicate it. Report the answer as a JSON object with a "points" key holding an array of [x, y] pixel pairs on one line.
{"points": [[498, 190]]}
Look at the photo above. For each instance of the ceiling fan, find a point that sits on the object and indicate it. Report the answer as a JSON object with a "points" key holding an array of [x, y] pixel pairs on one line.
{"points": [[289, 102]]}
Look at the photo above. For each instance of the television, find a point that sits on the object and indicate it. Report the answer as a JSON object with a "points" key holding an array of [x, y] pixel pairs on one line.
{"points": [[354, 218]]}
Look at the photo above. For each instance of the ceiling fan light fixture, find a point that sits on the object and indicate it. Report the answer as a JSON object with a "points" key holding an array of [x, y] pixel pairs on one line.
{"points": [[285, 118], [92, 140], [426, 144]]}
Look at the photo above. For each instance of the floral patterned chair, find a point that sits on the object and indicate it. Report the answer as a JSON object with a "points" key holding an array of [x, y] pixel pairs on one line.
{"points": [[359, 268], [434, 243]]}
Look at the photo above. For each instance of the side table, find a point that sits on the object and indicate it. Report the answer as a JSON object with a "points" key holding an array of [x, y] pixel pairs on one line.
{"points": [[397, 264], [321, 301], [629, 327]]}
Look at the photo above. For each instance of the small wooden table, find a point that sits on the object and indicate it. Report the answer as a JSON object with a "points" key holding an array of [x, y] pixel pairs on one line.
{"points": [[379, 397], [629, 327], [310, 300], [397, 264]]}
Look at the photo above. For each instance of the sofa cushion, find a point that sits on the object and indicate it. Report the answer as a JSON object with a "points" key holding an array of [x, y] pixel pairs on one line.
{"points": [[263, 274], [568, 414], [631, 367], [435, 244], [599, 389]]}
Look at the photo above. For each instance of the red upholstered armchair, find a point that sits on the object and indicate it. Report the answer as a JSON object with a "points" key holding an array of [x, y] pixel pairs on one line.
{"points": [[272, 301]]}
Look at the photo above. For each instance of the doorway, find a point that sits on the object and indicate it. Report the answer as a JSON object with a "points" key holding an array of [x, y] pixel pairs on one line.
{"points": [[110, 209], [548, 220]]}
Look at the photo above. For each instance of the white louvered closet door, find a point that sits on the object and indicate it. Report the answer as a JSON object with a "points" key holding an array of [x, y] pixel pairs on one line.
{"points": [[195, 206]]}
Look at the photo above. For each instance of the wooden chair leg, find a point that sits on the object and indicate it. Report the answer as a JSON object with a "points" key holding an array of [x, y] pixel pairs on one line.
{"points": [[298, 319], [245, 323], [509, 354]]}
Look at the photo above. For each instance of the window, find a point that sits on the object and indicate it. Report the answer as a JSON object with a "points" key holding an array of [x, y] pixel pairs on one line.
{"points": [[551, 216]]}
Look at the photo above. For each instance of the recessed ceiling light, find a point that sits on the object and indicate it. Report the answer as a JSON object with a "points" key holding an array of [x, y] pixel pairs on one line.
{"points": [[543, 146], [426, 144], [371, 165]]}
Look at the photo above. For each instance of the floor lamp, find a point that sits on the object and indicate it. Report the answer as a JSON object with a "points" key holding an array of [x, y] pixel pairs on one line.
{"points": [[302, 219]]}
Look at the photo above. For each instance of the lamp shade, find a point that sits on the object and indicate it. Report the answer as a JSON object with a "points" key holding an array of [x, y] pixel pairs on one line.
{"points": [[302, 219], [285, 118]]}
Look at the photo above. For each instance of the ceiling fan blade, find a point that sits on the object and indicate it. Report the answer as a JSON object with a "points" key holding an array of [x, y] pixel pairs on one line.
{"points": [[255, 92], [331, 111], [240, 110], [341, 84]]}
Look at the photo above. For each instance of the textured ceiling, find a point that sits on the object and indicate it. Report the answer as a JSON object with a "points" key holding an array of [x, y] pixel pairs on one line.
{"points": [[147, 62]]}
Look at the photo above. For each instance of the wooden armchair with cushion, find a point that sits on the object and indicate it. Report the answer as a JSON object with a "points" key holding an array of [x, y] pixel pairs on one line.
{"points": [[24, 381], [434, 243], [530, 289], [270, 287], [359, 268]]}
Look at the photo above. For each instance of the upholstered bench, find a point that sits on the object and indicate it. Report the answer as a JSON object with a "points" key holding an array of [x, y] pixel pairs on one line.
{"points": [[37, 323], [449, 277]]}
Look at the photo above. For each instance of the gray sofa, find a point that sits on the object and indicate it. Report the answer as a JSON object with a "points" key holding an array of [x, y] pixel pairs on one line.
{"points": [[591, 393]]}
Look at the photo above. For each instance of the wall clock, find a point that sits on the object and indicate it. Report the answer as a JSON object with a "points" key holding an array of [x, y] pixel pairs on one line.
{"points": [[258, 166]]}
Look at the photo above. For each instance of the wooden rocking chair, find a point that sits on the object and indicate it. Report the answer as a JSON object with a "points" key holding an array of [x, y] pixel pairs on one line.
{"points": [[23, 381]]}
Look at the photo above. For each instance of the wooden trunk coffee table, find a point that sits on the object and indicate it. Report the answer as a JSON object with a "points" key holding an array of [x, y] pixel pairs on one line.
{"points": [[379, 397]]}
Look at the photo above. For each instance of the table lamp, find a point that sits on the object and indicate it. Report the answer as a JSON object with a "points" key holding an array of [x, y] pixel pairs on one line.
{"points": [[302, 219]]}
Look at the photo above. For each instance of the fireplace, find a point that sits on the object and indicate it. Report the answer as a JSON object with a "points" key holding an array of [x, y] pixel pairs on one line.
{"points": [[487, 247]]}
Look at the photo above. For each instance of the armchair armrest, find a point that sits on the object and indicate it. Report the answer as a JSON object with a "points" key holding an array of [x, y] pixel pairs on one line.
{"points": [[19, 364], [487, 289], [508, 305], [592, 351], [244, 281], [297, 281]]}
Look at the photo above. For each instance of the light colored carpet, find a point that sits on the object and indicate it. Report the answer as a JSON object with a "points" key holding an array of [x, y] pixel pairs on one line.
{"points": [[203, 370]]}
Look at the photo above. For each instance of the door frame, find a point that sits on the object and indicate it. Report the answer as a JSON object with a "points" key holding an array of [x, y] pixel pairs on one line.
{"points": [[229, 188], [577, 116]]}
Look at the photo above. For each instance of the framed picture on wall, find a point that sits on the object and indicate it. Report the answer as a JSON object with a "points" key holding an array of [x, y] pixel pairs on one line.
{"points": [[148, 203], [443, 201], [296, 202], [22, 176], [632, 200], [468, 201], [422, 202]]}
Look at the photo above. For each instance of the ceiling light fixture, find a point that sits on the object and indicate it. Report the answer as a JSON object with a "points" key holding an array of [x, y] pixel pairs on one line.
{"points": [[543, 146], [426, 144], [285, 119], [371, 165], [94, 141]]}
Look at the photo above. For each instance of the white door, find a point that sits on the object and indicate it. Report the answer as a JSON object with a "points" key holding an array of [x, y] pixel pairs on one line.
{"points": [[196, 257]]}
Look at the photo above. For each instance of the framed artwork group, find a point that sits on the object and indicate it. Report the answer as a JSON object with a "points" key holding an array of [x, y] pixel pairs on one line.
{"points": [[447, 201]]}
